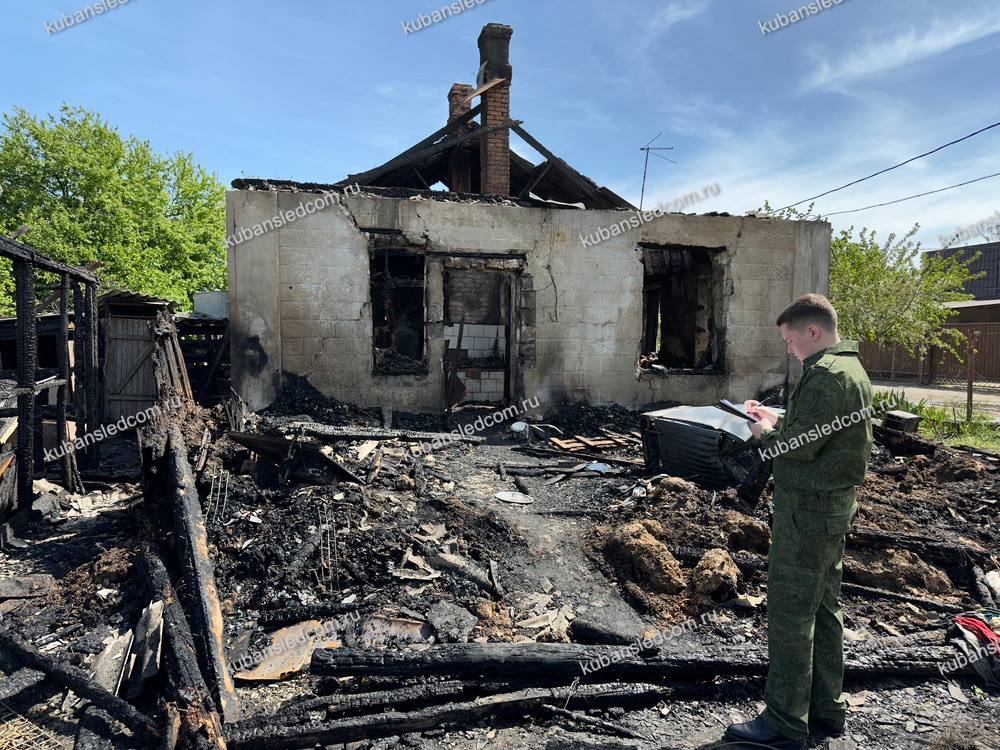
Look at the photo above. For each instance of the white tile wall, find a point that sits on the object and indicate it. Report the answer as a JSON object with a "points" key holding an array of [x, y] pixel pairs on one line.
{"points": [[487, 387], [480, 341]]}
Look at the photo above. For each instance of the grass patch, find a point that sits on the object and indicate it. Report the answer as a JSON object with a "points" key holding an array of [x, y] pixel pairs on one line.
{"points": [[947, 425]]}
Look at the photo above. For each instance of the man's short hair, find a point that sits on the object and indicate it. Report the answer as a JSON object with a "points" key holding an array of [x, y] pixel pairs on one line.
{"points": [[809, 309]]}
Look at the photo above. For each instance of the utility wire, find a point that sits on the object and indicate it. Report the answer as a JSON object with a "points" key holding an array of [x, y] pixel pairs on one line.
{"points": [[911, 197], [895, 166]]}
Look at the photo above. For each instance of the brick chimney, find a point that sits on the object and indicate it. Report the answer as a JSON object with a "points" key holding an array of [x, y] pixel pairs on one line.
{"points": [[494, 153], [460, 164]]}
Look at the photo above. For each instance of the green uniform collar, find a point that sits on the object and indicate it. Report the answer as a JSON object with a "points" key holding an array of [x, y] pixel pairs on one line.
{"points": [[845, 346]]}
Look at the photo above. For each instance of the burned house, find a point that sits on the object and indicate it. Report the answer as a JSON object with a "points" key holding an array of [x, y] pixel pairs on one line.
{"points": [[364, 289]]}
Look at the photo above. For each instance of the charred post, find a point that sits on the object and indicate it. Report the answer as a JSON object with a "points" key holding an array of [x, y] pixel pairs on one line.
{"points": [[27, 358]]}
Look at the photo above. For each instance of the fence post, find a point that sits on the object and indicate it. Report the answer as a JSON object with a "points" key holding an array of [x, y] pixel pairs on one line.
{"points": [[970, 361]]}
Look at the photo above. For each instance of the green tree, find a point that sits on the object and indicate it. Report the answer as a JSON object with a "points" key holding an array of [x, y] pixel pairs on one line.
{"points": [[890, 292], [156, 224]]}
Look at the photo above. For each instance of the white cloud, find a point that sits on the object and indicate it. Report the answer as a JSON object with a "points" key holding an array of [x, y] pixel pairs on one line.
{"points": [[678, 11], [776, 159], [882, 55]]}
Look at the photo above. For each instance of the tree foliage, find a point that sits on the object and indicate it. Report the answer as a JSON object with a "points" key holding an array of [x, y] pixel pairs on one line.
{"points": [[156, 223], [890, 292]]}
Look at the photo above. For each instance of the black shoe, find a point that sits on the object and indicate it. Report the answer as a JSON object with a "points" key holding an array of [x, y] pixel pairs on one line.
{"points": [[820, 730], [759, 732]]}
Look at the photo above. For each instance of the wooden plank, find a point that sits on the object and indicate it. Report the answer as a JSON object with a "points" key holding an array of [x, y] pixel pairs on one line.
{"points": [[366, 448], [140, 361], [672, 660], [484, 88]]}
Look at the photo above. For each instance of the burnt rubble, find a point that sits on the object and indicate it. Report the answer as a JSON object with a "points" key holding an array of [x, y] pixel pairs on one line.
{"points": [[312, 575]]}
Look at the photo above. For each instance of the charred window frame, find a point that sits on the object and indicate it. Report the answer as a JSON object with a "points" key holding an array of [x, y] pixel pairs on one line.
{"points": [[398, 281], [680, 301]]}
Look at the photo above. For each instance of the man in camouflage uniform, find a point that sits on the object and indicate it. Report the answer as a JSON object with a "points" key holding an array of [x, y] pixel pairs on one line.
{"points": [[820, 450]]}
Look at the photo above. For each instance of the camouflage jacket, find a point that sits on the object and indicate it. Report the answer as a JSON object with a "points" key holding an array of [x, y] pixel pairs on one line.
{"points": [[824, 441]]}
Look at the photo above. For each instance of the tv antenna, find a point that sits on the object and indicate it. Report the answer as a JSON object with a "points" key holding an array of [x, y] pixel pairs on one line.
{"points": [[650, 149]]}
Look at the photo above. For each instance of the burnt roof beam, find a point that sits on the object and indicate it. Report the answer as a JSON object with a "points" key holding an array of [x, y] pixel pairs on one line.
{"points": [[403, 159], [419, 156], [16, 251]]}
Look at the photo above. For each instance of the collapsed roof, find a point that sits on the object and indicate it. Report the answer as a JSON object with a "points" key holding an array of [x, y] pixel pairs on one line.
{"points": [[467, 156]]}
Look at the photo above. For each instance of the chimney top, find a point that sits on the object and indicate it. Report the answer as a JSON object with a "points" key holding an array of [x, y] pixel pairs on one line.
{"points": [[494, 51]]}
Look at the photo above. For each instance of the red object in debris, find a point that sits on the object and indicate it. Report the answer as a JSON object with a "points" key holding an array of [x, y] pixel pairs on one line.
{"points": [[981, 630]]}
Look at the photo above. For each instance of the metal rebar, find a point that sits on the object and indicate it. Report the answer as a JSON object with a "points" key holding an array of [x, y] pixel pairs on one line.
{"points": [[225, 498]]}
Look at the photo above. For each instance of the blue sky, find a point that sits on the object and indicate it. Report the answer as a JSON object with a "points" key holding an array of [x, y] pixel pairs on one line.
{"points": [[315, 90]]}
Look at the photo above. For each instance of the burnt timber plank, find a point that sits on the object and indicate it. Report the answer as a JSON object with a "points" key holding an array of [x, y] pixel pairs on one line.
{"points": [[200, 723], [18, 251], [672, 660], [463, 713], [199, 575]]}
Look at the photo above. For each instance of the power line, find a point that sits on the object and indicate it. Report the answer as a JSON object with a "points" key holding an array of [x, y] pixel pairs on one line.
{"points": [[895, 166], [911, 197]]}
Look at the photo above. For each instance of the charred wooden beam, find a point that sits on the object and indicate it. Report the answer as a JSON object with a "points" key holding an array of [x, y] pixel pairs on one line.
{"points": [[919, 601], [316, 429], [946, 551], [67, 463], [352, 705], [680, 660], [17, 251], [902, 443], [79, 359], [464, 713], [27, 360], [79, 682], [92, 367], [200, 724], [407, 157], [199, 575]]}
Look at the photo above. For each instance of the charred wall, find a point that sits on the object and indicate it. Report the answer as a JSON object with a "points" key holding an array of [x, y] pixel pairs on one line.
{"points": [[301, 297]]}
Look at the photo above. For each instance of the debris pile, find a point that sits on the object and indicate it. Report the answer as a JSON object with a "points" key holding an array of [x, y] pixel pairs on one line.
{"points": [[312, 575]]}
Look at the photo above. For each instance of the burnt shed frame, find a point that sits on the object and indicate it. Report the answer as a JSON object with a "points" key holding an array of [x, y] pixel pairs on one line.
{"points": [[27, 261]]}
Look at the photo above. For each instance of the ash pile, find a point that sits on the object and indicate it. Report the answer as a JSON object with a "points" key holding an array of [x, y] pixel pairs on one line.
{"points": [[311, 576]]}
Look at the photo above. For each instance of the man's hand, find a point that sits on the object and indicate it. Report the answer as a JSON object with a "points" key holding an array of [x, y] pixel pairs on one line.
{"points": [[765, 415], [759, 429]]}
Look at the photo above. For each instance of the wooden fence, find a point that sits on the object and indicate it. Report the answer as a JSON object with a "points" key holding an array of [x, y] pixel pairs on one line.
{"points": [[939, 365]]}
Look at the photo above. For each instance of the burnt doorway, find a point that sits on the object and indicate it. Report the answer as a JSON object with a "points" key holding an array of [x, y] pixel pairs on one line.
{"points": [[478, 305]]}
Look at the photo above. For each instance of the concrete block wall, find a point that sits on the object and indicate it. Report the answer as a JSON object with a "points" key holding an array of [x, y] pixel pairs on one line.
{"points": [[301, 294]]}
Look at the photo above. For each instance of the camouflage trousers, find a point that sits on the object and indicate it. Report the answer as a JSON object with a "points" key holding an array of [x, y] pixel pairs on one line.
{"points": [[805, 622]]}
